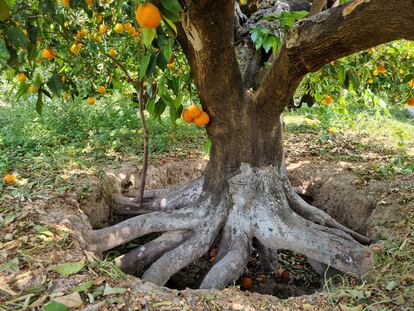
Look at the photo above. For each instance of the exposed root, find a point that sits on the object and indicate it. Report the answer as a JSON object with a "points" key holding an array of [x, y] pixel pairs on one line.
{"points": [[160, 199], [128, 230], [135, 261], [316, 215], [268, 257], [252, 206]]}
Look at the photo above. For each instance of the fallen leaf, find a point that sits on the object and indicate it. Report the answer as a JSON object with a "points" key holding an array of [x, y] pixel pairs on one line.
{"points": [[73, 300], [113, 290], [68, 268]]}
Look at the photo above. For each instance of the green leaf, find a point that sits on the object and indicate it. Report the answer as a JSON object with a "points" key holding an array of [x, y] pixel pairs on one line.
{"points": [[43, 230], [68, 268], [171, 5], [17, 37], [55, 306], [171, 24], [144, 65], [55, 84], [83, 287], [113, 290], [207, 146], [148, 35], [4, 10], [408, 78], [354, 79], [39, 101]]}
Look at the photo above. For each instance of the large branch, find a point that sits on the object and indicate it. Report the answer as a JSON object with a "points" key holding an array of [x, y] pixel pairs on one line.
{"points": [[335, 33]]}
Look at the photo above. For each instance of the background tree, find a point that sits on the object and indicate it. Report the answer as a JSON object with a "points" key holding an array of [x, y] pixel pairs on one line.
{"points": [[244, 195]]}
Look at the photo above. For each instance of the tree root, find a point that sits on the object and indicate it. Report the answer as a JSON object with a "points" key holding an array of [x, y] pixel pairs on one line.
{"points": [[253, 207]]}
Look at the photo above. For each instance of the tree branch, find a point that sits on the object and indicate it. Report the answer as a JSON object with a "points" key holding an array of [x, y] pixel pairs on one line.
{"points": [[332, 34]]}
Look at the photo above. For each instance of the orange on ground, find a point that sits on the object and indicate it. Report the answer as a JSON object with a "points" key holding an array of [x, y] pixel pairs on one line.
{"points": [[91, 100], [203, 119], [112, 52], [101, 90], [332, 130], [33, 89], [75, 48], [247, 283], [328, 100], [9, 179], [410, 102], [48, 53], [186, 116], [119, 28], [194, 111], [148, 15], [21, 77], [381, 69]]}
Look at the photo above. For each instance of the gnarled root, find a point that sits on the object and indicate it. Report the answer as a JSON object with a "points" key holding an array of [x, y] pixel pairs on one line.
{"points": [[253, 206]]}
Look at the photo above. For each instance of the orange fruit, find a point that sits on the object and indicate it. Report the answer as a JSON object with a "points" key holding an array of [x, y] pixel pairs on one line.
{"points": [[102, 29], [66, 3], [119, 28], [21, 77], [411, 83], [101, 90], [97, 37], [10, 179], [332, 130], [375, 72], [410, 102], [148, 15], [48, 53], [381, 69], [81, 34], [328, 100], [91, 100], [203, 119], [247, 283], [186, 116], [112, 52], [99, 18], [90, 3], [33, 89], [194, 111], [171, 66], [75, 48], [370, 81]]}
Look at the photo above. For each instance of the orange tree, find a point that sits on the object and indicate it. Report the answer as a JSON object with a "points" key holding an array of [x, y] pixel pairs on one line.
{"points": [[246, 61]]}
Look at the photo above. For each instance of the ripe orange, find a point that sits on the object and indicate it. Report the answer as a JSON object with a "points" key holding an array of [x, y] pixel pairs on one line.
{"points": [[203, 119], [328, 100], [411, 83], [33, 89], [21, 77], [101, 90], [99, 18], [112, 52], [75, 48], [90, 3], [10, 179], [370, 81], [148, 15], [410, 102], [48, 53], [102, 29], [81, 34], [66, 3], [171, 66], [91, 100], [247, 283], [381, 69], [332, 130], [194, 111], [186, 116], [97, 37], [119, 28]]}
